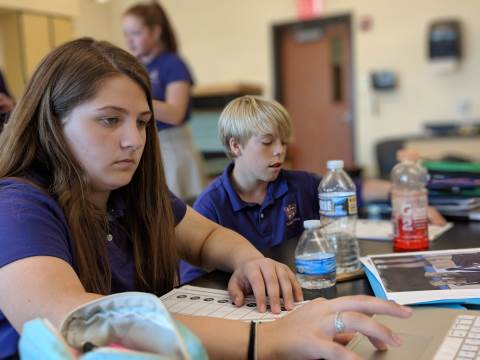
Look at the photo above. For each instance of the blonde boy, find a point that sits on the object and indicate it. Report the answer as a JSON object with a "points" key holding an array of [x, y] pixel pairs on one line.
{"points": [[254, 196]]}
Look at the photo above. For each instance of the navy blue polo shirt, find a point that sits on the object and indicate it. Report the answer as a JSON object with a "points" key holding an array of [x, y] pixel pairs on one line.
{"points": [[163, 70], [33, 224], [290, 199]]}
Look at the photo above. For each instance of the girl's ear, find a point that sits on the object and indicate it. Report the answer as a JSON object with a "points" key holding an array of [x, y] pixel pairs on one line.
{"points": [[235, 147]]}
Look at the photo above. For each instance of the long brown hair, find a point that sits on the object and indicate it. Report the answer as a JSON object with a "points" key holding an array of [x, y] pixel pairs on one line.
{"points": [[70, 75], [152, 14]]}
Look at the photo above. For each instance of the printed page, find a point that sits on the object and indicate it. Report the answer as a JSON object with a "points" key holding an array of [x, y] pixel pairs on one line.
{"points": [[415, 277], [199, 301]]}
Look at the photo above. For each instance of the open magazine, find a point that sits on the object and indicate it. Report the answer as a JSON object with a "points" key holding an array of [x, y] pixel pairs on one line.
{"points": [[445, 276]]}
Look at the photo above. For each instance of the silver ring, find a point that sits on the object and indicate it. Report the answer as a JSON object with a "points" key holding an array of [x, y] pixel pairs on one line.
{"points": [[339, 324]]}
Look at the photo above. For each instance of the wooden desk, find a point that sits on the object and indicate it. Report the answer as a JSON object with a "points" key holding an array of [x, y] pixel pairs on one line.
{"points": [[462, 235]]}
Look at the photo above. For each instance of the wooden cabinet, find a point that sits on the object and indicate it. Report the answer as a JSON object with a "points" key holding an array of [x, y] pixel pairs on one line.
{"points": [[26, 38]]}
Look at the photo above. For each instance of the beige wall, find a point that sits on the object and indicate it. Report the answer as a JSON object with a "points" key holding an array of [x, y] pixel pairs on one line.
{"points": [[95, 20], [58, 7], [230, 40], [224, 40], [397, 41]]}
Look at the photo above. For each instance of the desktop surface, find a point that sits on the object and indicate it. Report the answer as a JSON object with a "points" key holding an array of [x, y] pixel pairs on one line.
{"points": [[462, 235]]}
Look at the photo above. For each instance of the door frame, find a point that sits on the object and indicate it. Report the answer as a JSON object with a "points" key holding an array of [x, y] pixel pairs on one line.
{"points": [[277, 30]]}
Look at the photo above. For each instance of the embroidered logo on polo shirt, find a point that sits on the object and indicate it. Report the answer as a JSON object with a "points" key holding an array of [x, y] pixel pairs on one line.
{"points": [[290, 212], [153, 75]]}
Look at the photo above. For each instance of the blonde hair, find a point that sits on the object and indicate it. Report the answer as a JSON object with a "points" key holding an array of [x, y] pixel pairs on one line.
{"points": [[248, 115]]}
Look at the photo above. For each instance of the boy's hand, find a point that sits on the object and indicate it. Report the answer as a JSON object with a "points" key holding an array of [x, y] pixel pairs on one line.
{"points": [[434, 217], [264, 277]]}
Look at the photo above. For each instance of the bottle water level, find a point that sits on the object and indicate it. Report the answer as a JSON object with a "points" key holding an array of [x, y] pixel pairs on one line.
{"points": [[316, 270], [346, 247]]}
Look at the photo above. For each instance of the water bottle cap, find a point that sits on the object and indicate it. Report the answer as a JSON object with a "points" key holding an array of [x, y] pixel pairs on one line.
{"points": [[334, 164], [312, 224]]}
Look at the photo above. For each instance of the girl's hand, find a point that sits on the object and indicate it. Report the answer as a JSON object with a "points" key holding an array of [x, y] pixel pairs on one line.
{"points": [[310, 332], [264, 276]]}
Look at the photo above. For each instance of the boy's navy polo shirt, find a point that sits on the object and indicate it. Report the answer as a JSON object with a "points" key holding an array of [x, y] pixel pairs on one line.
{"points": [[164, 69], [33, 224], [290, 199]]}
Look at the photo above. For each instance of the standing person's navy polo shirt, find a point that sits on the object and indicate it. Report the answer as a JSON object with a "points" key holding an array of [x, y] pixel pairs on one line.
{"points": [[289, 200], [163, 70], [33, 224]]}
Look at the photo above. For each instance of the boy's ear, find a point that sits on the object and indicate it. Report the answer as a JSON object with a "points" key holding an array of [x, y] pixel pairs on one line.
{"points": [[235, 147]]}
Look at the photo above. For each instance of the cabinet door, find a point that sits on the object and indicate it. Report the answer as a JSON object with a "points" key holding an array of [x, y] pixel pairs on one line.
{"points": [[62, 31], [12, 54], [36, 40]]}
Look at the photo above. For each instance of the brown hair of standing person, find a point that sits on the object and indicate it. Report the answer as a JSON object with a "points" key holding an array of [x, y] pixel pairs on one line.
{"points": [[153, 15]]}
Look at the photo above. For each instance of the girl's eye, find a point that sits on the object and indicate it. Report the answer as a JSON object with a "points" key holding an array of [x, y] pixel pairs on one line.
{"points": [[266, 143], [109, 120], [142, 123]]}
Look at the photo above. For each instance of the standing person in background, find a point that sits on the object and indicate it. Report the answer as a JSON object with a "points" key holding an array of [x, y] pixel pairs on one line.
{"points": [[150, 37], [6, 101]]}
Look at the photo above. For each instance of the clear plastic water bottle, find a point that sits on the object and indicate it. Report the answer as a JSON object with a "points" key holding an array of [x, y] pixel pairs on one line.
{"points": [[338, 214], [409, 206], [315, 263]]}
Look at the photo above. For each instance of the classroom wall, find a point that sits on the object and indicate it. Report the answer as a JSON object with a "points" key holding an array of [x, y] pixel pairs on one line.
{"points": [[397, 41], [95, 20], [230, 40], [59, 7], [222, 40]]}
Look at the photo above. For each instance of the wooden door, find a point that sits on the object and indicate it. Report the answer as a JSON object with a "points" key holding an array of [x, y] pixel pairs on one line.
{"points": [[313, 81]]}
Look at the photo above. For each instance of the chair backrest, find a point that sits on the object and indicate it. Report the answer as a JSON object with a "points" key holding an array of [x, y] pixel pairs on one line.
{"points": [[386, 153]]}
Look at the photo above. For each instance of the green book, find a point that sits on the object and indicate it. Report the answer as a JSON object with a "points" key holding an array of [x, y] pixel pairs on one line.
{"points": [[452, 166]]}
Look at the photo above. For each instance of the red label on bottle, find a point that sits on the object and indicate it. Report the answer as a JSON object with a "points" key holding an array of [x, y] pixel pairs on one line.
{"points": [[410, 228]]}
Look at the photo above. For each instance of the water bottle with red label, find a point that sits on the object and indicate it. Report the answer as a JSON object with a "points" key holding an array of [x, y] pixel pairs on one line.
{"points": [[409, 206]]}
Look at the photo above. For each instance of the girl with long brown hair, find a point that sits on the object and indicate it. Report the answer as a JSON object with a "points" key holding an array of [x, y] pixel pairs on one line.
{"points": [[150, 37], [85, 212]]}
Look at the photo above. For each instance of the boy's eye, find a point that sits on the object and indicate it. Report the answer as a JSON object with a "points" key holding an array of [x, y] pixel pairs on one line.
{"points": [[266, 142], [109, 120]]}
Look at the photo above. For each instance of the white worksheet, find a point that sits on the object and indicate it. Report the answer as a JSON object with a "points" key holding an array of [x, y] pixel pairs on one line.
{"points": [[199, 301], [383, 230]]}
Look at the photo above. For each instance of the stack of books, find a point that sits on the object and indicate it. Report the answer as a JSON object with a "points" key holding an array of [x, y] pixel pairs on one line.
{"points": [[454, 188]]}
